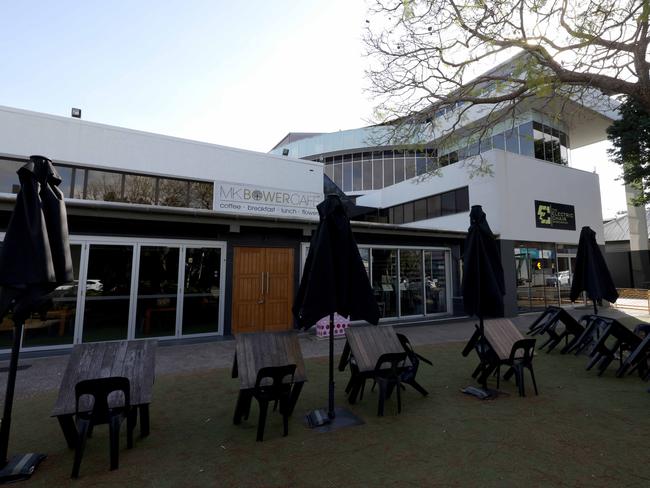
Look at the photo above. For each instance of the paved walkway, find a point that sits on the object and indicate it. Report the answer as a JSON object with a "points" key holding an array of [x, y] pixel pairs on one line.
{"points": [[45, 373]]}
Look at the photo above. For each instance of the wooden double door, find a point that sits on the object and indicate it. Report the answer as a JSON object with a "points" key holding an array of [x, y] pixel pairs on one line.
{"points": [[263, 289]]}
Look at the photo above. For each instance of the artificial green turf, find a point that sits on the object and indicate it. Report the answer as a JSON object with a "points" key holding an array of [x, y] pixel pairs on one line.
{"points": [[581, 431]]}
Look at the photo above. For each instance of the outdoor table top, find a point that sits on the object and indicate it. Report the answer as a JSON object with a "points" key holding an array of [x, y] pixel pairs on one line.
{"points": [[134, 360], [619, 331], [501, 334], [257, 350], [368, 343]]}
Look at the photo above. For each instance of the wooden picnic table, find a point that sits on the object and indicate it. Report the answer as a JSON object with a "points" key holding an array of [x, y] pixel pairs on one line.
{"points": [[368, 343], [134, 360], [493, 346], [501, 335], [257, 350]]}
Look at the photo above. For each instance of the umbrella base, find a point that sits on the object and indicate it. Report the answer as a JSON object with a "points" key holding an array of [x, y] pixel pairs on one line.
{"points": [[320, 422], [482, 393], [20, 467]]}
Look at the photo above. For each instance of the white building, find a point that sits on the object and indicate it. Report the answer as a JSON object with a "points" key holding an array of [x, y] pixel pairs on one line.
{"points": [[174, 238]]}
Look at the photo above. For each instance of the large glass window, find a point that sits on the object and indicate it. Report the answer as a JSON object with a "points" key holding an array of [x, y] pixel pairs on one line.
{"points": [[108, 292], [410, 263], [201, 290], [399, 166], [173, 193], [347, 176], [140, 189], [377, 174], [201, 194], [512, 140], [384, 280], [435, 281], [420, 209], [8, 178], [338, 174], [104, 185], [526, 140], [434, 208], [408, 212], [448, 203], [388, 171], [367, 174], [66, 173], [54, 325], [157, 292], [357, 168], [409, 165]]}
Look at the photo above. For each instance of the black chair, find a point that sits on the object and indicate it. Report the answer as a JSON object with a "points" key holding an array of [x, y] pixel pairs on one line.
{"points": [[387, 374], [488, 359], [521, 356], [270, 386], [100, 412], [410, 371]]}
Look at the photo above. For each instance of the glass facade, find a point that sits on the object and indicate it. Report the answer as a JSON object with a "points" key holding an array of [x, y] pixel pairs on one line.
{"points": [[157, 292], [116, 186], [108, 292], [55, 326], [174, 290], [407, 282], [362, 171], [447, 203], [544, 274], [201, 290]]}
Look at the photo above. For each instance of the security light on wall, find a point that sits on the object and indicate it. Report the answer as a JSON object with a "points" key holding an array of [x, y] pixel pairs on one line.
{"points": [[285, 152], [76, 113]]}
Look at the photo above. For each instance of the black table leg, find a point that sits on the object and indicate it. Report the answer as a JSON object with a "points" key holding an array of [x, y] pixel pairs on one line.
{"points": [[69, 429], [144, 420], [295, 393], [242, 407]]}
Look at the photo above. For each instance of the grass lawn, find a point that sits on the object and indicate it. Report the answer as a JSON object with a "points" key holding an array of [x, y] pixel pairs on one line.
{"points": [[581, 431]]}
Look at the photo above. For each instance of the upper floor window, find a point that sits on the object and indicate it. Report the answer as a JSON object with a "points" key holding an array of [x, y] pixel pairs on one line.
{"points": [[116, 186]]}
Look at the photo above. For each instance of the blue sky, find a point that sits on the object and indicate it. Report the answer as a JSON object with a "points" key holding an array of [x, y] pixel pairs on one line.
{"points": [[241, 74], [221, 71]]}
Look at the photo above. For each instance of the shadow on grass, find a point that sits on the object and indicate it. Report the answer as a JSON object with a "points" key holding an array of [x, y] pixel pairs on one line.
{"points": [[581, 431]]}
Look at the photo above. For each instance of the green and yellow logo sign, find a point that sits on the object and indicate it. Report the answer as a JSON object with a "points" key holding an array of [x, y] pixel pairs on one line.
{"points": [[550, 215], [544, 214]]}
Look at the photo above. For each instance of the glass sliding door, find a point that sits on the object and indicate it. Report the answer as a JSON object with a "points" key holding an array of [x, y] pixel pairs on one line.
{"points": [[201, 290], [157, 291], [435, 284], [384, 280], [107, 292], [410, 282], [55, 325]]}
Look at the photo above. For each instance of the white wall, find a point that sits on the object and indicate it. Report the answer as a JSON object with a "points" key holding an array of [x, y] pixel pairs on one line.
{"points": [[507, 196], [23, 133]]}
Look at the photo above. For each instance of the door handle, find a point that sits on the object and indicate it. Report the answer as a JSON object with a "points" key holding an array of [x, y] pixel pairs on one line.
{"points": [[268, 282], [261, 298]]}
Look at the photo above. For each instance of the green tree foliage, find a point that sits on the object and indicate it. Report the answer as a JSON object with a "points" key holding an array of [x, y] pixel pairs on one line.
{"points": [[630, 138]]}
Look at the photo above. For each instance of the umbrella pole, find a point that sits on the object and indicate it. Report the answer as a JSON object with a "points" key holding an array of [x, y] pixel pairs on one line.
{"points": [[330, 412], [595, 307], [9, 395]]}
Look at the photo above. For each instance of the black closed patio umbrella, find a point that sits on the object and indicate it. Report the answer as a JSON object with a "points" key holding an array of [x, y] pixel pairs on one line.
{"points": [[483, 284], [35, 259], [334, 280], [591, 274]]}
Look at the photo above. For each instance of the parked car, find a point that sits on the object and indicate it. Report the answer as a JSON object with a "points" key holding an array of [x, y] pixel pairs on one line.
{"points": [[559, 279]]}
